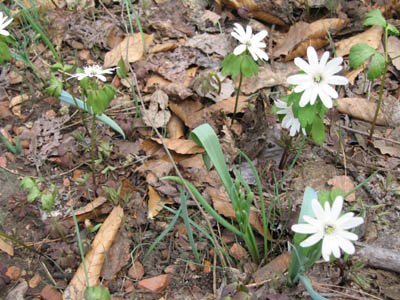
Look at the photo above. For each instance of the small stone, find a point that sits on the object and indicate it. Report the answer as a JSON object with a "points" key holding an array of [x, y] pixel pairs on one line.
{"points": [[13, 273], [238, 251], [170, 269], [136, 271], [34, 282], [50, 293], [155, 284]]}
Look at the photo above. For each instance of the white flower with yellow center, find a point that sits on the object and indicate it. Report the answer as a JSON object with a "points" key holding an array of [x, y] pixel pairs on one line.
{"points": [[289, 121], [4, 22], [329, 227], [250, 42], [318, 77], [93, 71]]}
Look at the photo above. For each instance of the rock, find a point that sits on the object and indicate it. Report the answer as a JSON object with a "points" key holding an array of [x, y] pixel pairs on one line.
{"points": [[136, 271], [18, 292], [155, 284], [13, 272], [34, 282]]}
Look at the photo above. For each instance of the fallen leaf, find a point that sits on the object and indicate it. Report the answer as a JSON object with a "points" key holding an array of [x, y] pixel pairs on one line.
{"points": [[132, 45], [118, 255], [157, 114], [90, 206], [136, 271], [208, 43], [268, 76], [301, 35], [187, 111], [95, 257], [159, 167], [222, 204], [50, 293], [387, 148], [278, 265], [154, 81], [171, 45], [372, 37], [228, 105], [360, 108], [238, 251], [154, 199], [211, 16], [19, 99], [34, 282], [394, 50], [181, 146], [344, 183], [175, 127], [6, 247]]}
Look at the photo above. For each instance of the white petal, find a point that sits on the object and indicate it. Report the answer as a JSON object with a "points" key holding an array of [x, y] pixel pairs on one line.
{"points": [[302, 64], [238, 37], [297, 79], [305, 98], [330, 91], [317, 209], [326, 249], [312, 221], [337, 80], [311, 240], [337, 207], [281, 104], [324, 59], [261, 54], [335, 249], [239, 49], [347, 246], [314, 95], [331, 71], [351, 222], [259, 36], [239, 29], [253, 53], [312, 56], [333, 64], [326, 100], [304, 228], [249, 33], [348, 235], [101, 77], [4, 32]]}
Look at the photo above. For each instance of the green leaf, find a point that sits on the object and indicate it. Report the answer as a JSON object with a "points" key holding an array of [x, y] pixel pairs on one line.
{"points": [[121, 70], [5, 53], [97, 293], [392, 30], [307, 284], [57, 66], [376, 66], [231, 65], [248, 67], [27, 183], [318, 130], [99, 100], [48, 199], [359, 53], [374, 18], [306, 114], [54, 87], [67, 98]]}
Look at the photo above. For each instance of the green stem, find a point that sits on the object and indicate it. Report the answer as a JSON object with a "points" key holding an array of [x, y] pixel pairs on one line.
{"points": [[93, 135], [58, 229], [371, 132], [81, 113], [237, 98]]}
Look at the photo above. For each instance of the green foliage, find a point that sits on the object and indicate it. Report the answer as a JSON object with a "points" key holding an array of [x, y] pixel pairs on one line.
{"points": [[376, 66], [236, 64], [10, 147], [31, 185], [318, 130], [374, 18], [5, 53], [98, 100], [48, 199], [121, 70], [97, 293], [359, 53], [55, 87]]}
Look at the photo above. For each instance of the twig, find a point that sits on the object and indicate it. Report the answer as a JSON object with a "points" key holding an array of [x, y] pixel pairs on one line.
{"points": [[367, 134], [381, 258]]}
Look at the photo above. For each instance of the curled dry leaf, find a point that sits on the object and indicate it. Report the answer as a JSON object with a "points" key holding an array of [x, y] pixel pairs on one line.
{"points": [[394, 50], [175, 127], [154, 199], [301, 35], [95, 258], [344, 183], [181, 146], [387, 148], [6, 247], [278, 265], [361, 108]]}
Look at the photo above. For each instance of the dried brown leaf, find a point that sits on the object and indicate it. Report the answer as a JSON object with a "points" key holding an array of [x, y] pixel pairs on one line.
{"points": [[95, 257], [344, 183], [175, 127], [360, 108], [278, 265], [6, 247], [181, 146]]}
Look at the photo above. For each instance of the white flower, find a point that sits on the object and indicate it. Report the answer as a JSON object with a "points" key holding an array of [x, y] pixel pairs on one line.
{"points": [[249, 41], [329, 227], [93, 71], [289, 121], [4, 23], [318, 77]]}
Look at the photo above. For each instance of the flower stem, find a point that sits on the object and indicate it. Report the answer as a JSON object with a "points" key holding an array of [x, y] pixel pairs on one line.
{"points": [[371, 132], [237, 98], [83, 118], [93, 134]]}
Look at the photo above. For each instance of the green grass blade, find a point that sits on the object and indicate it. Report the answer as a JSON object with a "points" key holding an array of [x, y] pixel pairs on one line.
{"points": [[67, 98], [205, 204], [185, 216]]}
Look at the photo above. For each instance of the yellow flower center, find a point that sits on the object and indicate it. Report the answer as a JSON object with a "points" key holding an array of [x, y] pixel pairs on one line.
{"points": [[329, 229], [317, 78]]}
